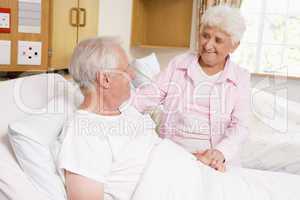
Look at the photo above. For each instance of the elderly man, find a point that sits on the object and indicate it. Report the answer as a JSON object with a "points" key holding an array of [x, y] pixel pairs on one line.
{"points": [[100, 140], [114, 154]]}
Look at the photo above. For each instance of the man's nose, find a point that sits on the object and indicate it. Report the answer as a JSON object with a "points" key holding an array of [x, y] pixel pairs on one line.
{"points": [[131, 73]]}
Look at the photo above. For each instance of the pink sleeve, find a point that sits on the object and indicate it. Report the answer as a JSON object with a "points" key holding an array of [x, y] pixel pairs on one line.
{"points": [[150, 95], [237, 131]]}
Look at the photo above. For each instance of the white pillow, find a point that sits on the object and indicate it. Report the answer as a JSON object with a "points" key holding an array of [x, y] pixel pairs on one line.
{"points": [[14, 183], [271, 146], [31, 139], [146, 68], [276, 112]]}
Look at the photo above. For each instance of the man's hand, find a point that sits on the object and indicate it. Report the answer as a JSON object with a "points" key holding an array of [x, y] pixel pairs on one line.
{"points": [[213, 158]]}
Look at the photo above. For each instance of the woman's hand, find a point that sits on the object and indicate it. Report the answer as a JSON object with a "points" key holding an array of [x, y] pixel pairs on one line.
{"points": [[213, 158]]}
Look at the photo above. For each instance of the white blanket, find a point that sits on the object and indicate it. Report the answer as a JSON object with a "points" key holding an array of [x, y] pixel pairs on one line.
{"points": [[174, 174]]}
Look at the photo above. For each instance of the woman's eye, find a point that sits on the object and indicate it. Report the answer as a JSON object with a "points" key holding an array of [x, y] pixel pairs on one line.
{"points": [[206, 36], [219, 40]]}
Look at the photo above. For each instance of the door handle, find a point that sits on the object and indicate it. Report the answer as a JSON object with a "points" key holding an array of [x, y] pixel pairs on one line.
{"points": [[72, 11], [83, 10]]}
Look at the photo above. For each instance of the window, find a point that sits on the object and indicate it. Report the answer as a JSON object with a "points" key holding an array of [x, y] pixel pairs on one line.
{"points": [[271, 43]]}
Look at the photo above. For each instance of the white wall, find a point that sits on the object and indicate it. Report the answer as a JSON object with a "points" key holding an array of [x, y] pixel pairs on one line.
{"points": [[194, 26], [115, 20]]}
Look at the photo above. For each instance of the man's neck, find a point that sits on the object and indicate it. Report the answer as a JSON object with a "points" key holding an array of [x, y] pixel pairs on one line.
{"points": [[99, 105]]}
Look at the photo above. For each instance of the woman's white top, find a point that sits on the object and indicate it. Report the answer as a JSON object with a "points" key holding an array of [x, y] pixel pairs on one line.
{"points": [[191, 123], [112, 150]]}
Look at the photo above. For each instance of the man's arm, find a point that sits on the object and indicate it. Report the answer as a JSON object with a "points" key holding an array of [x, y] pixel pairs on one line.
{"points": [[82, 188]]}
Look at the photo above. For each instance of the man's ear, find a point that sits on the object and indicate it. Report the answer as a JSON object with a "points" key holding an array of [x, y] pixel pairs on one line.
{"points": [[103, 80]]}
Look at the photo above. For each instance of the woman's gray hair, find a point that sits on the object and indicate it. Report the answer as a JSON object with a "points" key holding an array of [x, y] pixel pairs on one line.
{"points": [[227, 19], [91, 56]]}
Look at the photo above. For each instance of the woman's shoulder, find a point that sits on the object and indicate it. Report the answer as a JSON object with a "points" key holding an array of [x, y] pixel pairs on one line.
{"points": [[238, 67], [180, 62], [176, 66], [241, 72], [239, 75]]}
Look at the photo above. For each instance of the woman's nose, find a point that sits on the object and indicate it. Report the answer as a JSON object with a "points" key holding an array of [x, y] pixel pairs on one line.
{"points": [[209, 44]]}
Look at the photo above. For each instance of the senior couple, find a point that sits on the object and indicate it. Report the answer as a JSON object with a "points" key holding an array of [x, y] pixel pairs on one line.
{"points": [[113, 153]]}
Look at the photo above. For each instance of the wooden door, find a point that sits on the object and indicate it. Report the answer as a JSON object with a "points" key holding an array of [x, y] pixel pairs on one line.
{"points": [[64, 32], [88, 20]]}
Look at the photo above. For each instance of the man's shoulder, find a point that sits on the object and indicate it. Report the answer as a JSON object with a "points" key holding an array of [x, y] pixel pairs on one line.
{"points": [[83, 122], [133, 116]]}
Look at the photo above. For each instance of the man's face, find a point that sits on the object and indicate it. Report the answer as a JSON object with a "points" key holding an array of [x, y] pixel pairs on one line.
{"points": [[121, 78], [214, 46]]}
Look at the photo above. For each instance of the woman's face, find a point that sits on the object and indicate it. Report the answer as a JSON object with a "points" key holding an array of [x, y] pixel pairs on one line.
{"points": [[214, 46]]}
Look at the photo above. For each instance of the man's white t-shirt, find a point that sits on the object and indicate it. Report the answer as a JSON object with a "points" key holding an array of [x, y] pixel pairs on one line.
{"points": [[113, 150]]}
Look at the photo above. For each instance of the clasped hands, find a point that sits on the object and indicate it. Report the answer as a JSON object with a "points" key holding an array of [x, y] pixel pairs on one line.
{"points": [[213, 158]]}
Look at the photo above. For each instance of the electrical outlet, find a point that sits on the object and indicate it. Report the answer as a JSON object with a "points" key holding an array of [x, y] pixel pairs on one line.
{"points": [[29, 53]]}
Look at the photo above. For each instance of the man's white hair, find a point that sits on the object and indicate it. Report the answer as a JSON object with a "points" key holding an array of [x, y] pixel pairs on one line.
{"points": [[227, 19], [93, 55]]}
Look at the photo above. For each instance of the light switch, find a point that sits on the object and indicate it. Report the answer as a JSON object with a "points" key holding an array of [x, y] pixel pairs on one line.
{"points": [[5, 46]]}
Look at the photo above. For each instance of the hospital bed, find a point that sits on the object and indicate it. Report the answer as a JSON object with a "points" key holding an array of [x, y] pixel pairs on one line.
{"points": [[272, 146]]}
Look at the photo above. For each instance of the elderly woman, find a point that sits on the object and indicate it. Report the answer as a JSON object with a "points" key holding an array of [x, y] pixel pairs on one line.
{"points": [[205, 96]]}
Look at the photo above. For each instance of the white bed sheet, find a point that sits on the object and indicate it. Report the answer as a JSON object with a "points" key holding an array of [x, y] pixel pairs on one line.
{"points": [[174, 174]]}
